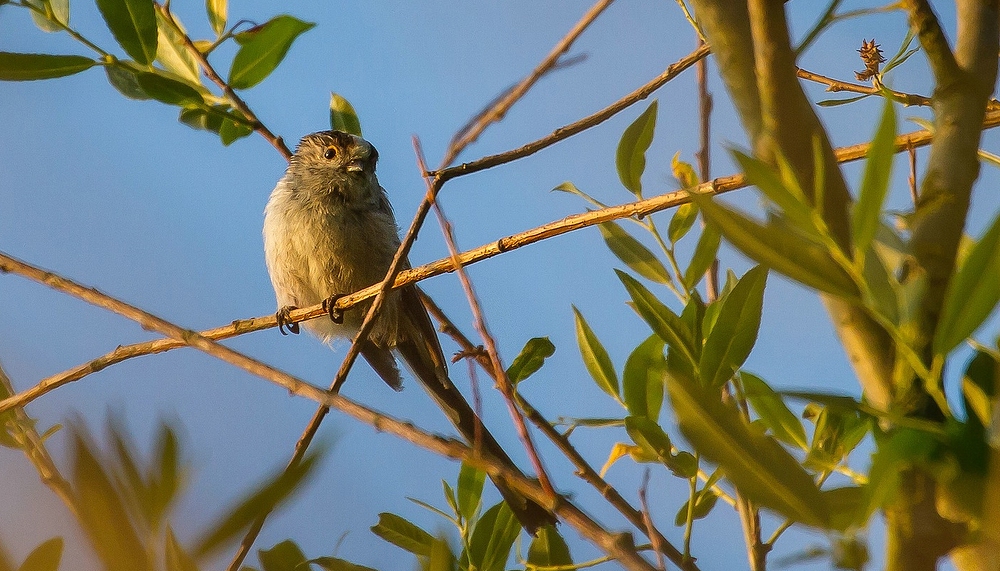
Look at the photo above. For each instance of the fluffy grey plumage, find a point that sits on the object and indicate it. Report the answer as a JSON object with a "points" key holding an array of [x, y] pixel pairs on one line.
{"points": [[329, 230]]}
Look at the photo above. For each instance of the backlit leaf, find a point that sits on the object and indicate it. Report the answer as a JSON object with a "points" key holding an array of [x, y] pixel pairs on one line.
{"points": [[217, 15], [343, 117], [493, 538], [735, 330], [633, 253], [867, 211], [772, 410], [759, 467], [631, 155], [596, 357], [172, 53], [643, 378], [664, 322]]}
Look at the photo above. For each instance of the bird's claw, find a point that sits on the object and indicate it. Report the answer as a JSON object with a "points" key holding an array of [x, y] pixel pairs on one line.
{"points": [[282, 316], [330, 307]]}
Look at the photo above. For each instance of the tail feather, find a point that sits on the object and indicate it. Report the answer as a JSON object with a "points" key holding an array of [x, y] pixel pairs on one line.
{"points": [[422, 353]]}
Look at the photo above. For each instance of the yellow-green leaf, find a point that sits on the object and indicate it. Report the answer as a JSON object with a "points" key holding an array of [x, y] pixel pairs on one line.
{"points": [[343, 117], [631, 156], [633, 253], [217, 15], [875, 184], [732, 337], [595, 357]]}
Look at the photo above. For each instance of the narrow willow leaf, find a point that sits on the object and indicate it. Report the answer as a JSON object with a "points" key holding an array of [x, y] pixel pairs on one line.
{"points": [[705, 253], [643, 378], [780, 249], [133, 24], [772, 410], [631, 155], [343, 117], [102, 513], [530, 359], [867, 211], [168, 90], [649, 436], [758, 466], [217, 15], [682, 221], [548, 549], [781, 189], [403, 534], [631, 251], [27, 67], [664, 322], [177, 559], [881, 291], [273, 492], [972, 294], [470, 490], [836, 102], [595, 357], [262, 49], [285, 556], [45, 557], [735, 329], [172, 53], [493, 538]]}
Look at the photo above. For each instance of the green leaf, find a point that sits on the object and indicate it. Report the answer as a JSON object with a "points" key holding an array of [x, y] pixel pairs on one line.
{"points": [[630, 251], [548, 549], [704, 501], [972, 294], [757, 465], [493, 538], [343, 117], [682, 221], [867, 211], [172, 53], [275, 490], [45, 557], [631, 156], [285, 556], [530, 359], [56, 16], [772, 410], [217, 15], [979, 385], [705, 253], [900, 449], [844, 101], [133, 24], [595, 357], [167, 470], [124, 76], [262, 48], [168, 90], [845, 507], [470, 490], [779, 249], [102, 513], [643, 378], [648, 435], [781, 188], [683, 172], [403, 534], [27, 67], [735, 330], [664, 322], [231, 130], [176, 557], [337, 564]]}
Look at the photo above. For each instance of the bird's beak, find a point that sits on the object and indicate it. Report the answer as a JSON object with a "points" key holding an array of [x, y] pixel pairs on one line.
{"points": [[356, 165]]}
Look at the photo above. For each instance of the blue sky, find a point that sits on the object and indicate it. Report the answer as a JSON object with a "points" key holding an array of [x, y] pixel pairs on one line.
{"points": [[117, 194]]}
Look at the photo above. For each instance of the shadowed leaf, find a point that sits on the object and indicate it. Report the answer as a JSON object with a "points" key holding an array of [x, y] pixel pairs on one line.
{"points": [[493, 538], [45, 557], [262, 48], [631, 155], [403, 534], [665, 323], [26, 67], [548, 548], [285, 556], [133, 23], [530, 359], [768, 405]]}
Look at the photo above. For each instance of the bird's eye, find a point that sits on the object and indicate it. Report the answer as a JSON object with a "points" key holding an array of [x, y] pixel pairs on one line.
{"points": [[331, 153]]}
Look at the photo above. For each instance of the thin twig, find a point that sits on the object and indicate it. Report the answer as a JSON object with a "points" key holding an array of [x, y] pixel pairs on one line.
{"points": [[22, 428], [502, 106], [237, 101], [616, 545], [583, 469], [567, 131], [835, 85], [704, 156], [647, 518], [499, 373], [914, 194], [640, 208]]}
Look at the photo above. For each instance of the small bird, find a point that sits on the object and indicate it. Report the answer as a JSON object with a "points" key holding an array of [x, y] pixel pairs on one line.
{"points": [[329, 231]]}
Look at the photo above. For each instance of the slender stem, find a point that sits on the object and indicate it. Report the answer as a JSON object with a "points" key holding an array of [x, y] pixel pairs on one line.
{"points": [[73, 33]]}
